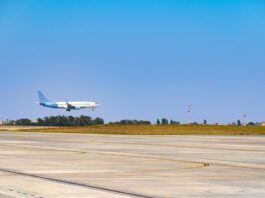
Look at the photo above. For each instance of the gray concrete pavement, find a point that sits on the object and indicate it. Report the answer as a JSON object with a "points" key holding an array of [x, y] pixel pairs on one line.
{"points": [[46, 165]]}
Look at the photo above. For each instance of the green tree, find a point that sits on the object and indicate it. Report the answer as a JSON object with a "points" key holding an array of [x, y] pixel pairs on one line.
{"points": [[251, 124], [98, 121], [71, 121], [23, 122], [133, 122], [164, 121], [174, 122], [85, 120], [68, 121], [40, 122], [158, 122]]}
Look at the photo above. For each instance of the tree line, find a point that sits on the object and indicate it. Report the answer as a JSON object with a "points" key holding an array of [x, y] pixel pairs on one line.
{"points": [[80, 121], [87, 120], [132, 122], [165, 121], [58, 121]]}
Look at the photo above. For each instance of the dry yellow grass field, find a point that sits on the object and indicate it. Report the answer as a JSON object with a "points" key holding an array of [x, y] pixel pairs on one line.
{"points": [[149, 129]]}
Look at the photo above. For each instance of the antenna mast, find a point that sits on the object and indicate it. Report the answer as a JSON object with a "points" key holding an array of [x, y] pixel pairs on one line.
{"points": [[244, 119], [189, 114]]}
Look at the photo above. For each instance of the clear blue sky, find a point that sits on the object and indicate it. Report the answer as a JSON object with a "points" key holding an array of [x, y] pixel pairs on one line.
{"points": [[140, 59]]}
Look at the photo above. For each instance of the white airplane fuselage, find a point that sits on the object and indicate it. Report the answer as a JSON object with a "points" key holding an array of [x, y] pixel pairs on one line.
{"points": [[71, 105], [80, 104]]}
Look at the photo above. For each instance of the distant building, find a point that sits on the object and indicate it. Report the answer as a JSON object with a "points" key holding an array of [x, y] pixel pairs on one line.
{"points": [[262, 124]]}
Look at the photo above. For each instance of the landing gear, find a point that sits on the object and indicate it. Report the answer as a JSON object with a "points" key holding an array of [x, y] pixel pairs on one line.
{"points": [[69, 107]]}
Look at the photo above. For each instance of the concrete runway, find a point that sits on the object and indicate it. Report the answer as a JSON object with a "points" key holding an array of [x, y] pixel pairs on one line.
{"points": [[46, 165]]}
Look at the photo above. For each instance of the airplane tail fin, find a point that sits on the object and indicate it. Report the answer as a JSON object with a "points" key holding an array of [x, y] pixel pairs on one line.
{"points": [[42, 98]]}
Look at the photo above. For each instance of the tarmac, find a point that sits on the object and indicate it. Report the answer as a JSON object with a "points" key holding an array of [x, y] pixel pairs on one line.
{"points": [[49, 165]]}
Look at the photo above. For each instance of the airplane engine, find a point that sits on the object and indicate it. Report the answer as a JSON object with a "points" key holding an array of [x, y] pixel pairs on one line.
{"points": [[77, 108]]}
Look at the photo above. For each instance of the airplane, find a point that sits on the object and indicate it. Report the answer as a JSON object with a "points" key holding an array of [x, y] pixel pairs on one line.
{"points": [[74, 105]]}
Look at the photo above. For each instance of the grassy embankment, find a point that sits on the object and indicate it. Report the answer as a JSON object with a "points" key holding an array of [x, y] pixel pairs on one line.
{"points": [[149, 129]]}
